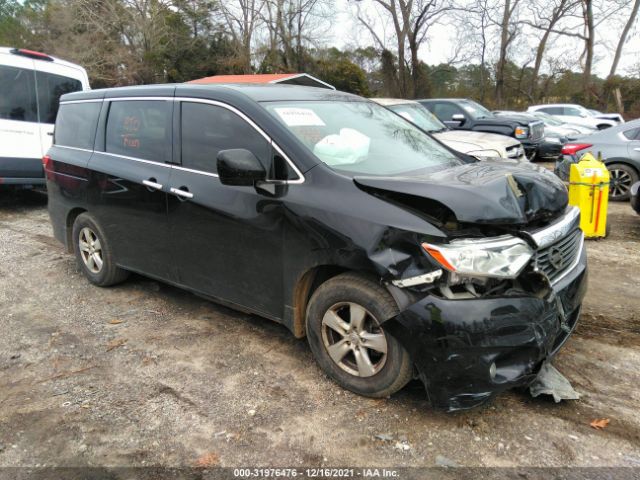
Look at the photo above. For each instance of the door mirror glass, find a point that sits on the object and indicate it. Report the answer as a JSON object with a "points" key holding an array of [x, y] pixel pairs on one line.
{"points": [[239, 167]]}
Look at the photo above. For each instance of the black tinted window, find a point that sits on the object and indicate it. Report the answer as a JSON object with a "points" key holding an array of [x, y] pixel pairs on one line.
{"points": [[76, 124], [207, 129], [140, 128], [17, 94], [50, 88], [632, 134]]}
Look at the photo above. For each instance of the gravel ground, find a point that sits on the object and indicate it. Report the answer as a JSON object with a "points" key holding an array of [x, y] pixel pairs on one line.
{"points": [[145, 374]]}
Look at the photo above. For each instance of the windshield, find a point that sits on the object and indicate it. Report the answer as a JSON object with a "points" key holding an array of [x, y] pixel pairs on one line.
{"points": [[362, 137], [476, 110], [420, 116], [548, 119]]}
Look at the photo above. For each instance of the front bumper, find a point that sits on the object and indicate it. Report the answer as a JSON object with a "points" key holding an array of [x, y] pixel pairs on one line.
{"points": [[453, 343], [635, 196], [550, 150]]}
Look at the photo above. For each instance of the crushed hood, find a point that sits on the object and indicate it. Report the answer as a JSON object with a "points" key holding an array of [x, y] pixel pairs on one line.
{"points": [[489, 192]]}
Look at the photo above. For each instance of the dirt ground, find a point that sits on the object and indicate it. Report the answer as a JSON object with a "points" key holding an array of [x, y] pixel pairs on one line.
{"points": [[145, 374]]}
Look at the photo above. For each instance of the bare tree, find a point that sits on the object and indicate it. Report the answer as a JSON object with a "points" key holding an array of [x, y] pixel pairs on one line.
{"points": [[242, 18], [411, 20], [546, 14]]}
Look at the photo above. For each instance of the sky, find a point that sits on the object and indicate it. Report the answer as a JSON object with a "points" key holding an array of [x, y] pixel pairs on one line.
{"points": [[440, 45]]}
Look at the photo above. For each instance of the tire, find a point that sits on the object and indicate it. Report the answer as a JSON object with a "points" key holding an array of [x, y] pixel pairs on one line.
{"points": [[89, 245], [622, 176], [351, 297]]}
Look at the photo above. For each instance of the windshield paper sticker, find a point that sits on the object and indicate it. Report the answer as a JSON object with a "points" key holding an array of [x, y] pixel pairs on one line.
{"points": [[299, 117]]}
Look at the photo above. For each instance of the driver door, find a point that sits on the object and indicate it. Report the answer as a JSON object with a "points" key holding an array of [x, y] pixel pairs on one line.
{"points": [[227, 241]]}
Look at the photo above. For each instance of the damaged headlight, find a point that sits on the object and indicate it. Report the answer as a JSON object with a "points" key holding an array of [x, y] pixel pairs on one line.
{"points": [[502, 257]]}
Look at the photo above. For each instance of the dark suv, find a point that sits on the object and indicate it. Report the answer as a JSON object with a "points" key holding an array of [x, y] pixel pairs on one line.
{"points": [[465, 114], [326, 212]]}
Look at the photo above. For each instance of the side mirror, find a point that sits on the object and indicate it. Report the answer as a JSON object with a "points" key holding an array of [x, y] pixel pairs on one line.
{"points": [[239, 167], [459, 118]]}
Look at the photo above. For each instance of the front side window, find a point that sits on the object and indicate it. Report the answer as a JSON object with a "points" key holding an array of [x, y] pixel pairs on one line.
{"points": [[140, 129], [50, 88], [362, 137], [446, 111], [419, 116], [552, 110], [575, 112], [475, 110], [17, 94], [76, 124], [207, 129]]}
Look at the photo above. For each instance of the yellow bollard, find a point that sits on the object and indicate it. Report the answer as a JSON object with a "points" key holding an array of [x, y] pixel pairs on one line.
{"points": [[589, 191]]}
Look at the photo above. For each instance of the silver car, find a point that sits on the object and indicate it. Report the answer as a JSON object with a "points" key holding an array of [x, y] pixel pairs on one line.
{"points": [[620, 150]]}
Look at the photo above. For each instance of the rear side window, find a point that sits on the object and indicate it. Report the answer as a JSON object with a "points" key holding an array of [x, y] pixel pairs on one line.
{"points": [[76, 125], [632, 134], [50, 88], [140, 129], [17, 94], [207, 129]]}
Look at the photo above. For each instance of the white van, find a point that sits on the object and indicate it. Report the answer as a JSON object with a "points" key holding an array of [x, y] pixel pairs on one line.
{"points": [[31, 84]]}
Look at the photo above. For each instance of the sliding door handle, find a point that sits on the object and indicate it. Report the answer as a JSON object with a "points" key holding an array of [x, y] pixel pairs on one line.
{"points": [[182, 192], [152, 184]]}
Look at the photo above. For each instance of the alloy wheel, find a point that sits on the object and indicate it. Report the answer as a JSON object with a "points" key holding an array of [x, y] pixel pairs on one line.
{"points": [[620, 182], [90, 250], [354, 340]]}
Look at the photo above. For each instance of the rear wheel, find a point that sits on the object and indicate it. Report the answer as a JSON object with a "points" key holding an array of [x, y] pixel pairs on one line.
{"points": [[621, 178], [93, 253], [344, 330]]}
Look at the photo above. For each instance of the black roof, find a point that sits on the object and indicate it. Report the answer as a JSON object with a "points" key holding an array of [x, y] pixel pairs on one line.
{"points": [[256, 92]]}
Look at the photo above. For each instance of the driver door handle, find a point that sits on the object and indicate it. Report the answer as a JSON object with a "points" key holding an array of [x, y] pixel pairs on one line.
{"points": [[181, 192]]}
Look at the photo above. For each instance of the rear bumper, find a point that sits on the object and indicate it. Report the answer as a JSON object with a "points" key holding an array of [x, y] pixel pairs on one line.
{"points": [[549, 150], [453, 343], [21, 171]]}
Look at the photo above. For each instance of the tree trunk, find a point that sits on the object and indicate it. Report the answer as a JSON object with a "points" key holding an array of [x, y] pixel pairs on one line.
{"points": [[623, 38], [589, 40], [502, 60]]}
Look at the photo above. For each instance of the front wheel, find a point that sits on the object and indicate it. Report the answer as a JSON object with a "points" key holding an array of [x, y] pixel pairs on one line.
{"points": [[621, 178], [344, 330], [93, 253]]}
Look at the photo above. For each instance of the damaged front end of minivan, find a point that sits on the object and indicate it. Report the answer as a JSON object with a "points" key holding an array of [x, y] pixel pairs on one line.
{"points": [[483, 311]]}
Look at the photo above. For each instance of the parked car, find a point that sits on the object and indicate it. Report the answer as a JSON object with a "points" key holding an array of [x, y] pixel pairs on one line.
{"points": [[477, 144], [620, 150], [465, 114], [616, 117], [332, 215], [573, 129], [550, 147], [32, 83], [574, 114], [635, 197]]}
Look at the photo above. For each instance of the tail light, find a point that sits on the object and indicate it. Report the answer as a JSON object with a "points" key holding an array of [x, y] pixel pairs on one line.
{"points": [[46, 162], [573, 148]]}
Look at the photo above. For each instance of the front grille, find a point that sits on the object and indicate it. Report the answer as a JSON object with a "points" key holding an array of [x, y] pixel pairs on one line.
{"points": [[537, 130], [557, 258]]}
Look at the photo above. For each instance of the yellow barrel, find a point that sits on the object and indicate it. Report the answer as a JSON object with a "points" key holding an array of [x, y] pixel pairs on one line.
{"points": [[589, 191]]}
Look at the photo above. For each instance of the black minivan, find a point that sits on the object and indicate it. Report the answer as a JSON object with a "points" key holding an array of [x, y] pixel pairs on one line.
{"points": [[396, 257]]}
